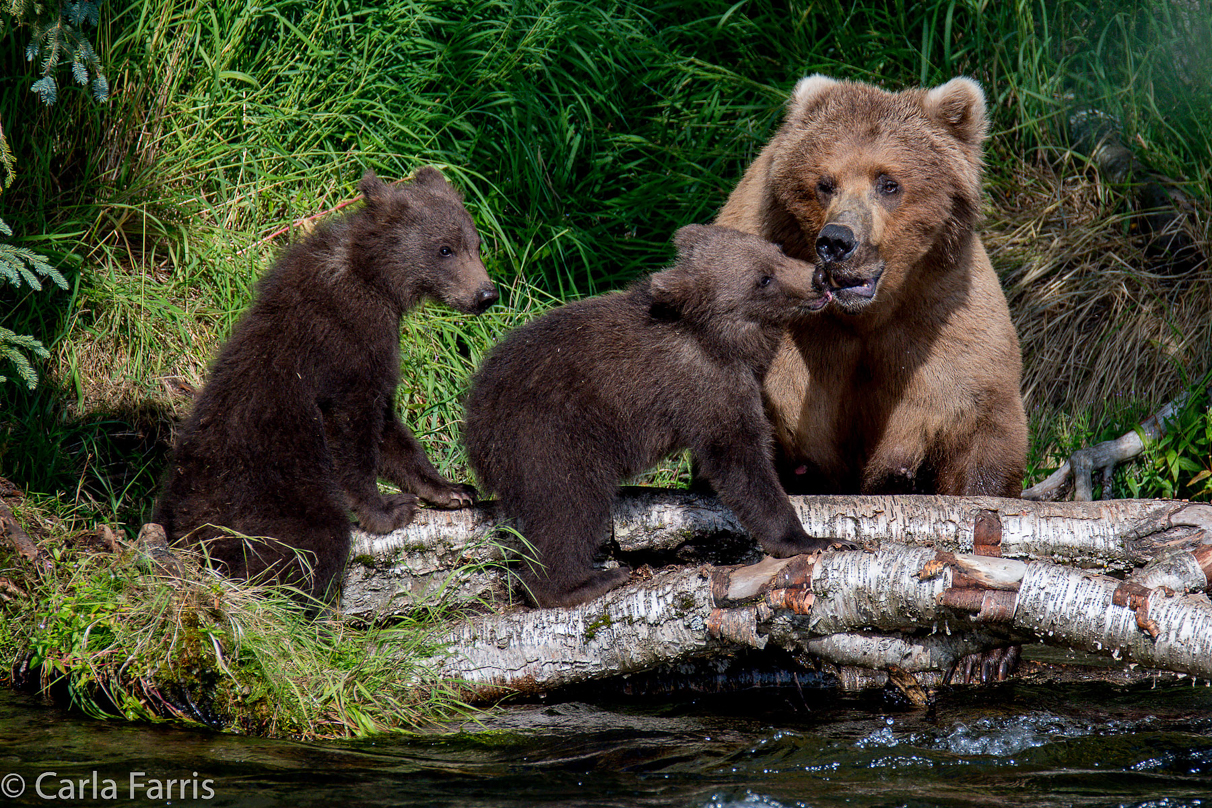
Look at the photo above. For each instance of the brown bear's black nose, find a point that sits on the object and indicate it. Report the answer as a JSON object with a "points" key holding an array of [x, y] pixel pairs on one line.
{"points": [[486, 296], [835, 243]]}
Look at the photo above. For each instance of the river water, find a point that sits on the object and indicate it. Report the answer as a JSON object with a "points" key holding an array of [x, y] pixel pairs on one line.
{"points": [[1016, 744]]}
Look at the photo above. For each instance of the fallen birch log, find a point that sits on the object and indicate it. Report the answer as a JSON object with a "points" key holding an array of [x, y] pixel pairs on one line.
{"points": [[454, 556], [792, 602]]}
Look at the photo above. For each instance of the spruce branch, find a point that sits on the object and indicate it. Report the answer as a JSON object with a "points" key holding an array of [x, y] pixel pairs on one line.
{"points": [[58, 35], [20, 266]]}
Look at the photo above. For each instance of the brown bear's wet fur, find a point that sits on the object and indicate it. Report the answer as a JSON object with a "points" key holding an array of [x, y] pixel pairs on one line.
{"points": [[909, 380], [599, 390], [297, 420]]}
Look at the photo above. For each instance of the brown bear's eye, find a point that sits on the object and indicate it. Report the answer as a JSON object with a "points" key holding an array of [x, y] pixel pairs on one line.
{"points": [[766, 280], [886, 185], [445, 251], [825, 187]]}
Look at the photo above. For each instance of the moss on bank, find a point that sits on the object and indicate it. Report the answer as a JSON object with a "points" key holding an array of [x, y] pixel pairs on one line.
{"points": [[106, 634]]}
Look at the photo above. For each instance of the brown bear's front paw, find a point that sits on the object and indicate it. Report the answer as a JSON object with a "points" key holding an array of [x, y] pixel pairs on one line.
{"points": [[396, 511], [452, 496]]}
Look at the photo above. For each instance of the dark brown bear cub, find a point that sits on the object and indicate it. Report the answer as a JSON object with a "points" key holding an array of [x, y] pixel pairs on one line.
{"points": [[297, 421], [593, 392]]}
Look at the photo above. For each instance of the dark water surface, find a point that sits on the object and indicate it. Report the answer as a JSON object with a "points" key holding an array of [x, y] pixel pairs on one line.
{"points": [[1029, 745]]}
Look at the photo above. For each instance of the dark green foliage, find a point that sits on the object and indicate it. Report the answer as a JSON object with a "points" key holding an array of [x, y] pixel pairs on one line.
{"points": [[19, 266], [58, 35], [583, 135]]}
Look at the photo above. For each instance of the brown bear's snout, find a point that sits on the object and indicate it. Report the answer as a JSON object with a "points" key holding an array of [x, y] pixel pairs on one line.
{"points": [[846, 260], [835, 243], [485, 296]]}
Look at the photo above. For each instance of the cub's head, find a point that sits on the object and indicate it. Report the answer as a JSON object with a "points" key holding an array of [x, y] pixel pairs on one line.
{"points": [[725, 277], [877, 187], [417, 241]]}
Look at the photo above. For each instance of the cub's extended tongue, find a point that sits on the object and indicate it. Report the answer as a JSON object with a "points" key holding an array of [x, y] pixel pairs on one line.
{"points": [[818, 304]]}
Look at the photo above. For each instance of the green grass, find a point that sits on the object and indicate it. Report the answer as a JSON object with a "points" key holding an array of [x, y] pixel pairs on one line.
{"points": [[109, 636], [582, 134]]}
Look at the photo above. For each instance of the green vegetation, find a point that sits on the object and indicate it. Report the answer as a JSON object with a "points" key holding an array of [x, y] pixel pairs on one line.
{"points": [[116, 639], [58, 34], [583, 134]]}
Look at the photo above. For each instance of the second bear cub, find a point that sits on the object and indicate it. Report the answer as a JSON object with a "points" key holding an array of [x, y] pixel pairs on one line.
{"points": [[599, 390], [298, 419]]}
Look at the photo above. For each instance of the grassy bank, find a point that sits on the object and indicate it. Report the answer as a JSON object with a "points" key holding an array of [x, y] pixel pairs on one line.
{"points": [[96, 625], [583, 135]]}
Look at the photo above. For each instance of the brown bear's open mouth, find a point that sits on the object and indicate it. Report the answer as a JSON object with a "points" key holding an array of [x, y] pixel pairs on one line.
{"points": [[855, 287]]}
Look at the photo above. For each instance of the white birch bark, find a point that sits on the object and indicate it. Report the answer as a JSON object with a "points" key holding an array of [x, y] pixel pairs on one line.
{"points": [[454, 553], [1069, 608], [808, 603], [625, 631]]}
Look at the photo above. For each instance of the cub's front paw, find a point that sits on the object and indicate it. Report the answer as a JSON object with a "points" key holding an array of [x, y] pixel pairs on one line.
{"points": [[788, 546], [395, 512], [451, 496]]}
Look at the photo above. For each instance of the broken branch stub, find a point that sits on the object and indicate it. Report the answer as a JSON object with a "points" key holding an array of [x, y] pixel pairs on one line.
{"points": [[1077, 473]]}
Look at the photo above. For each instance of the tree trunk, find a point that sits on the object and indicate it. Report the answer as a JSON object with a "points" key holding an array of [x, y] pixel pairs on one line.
{"points": [[823, 604], [457, 558], [940, 578]]}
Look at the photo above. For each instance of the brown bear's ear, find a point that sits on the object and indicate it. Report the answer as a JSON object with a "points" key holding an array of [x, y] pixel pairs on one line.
{"points": [[808, 94], [373, 189], [673, 288], [432, 180], [959, 105]]}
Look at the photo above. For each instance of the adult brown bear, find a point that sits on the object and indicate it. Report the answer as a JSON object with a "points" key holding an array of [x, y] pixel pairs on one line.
{"points": [[297, 420], [909, 380]]}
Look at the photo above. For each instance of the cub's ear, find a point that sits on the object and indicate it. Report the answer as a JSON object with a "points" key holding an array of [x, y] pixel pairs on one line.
{"points": [[673, 288], [808, 94], [373, 189], [432, 180], [959, 106], [691, 238]]}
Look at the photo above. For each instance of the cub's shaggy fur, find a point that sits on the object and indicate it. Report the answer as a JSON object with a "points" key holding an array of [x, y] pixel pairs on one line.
{"points": [[297, 420], [909, 381], [598, 390]]}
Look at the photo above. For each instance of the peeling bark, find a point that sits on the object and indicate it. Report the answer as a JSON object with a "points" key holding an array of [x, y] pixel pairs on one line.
{"points": [[454, 556], [826, 604], [627, 630], [940, 579]]}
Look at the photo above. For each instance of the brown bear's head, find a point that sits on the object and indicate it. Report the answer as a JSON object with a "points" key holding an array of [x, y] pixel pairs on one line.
{"points": [[726, 278], [880, 189], [419, 241]]}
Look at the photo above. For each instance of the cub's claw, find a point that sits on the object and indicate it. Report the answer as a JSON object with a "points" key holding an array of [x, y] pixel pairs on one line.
{"points": [[452, 497]]}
